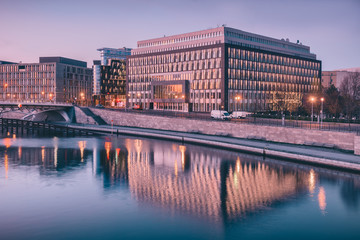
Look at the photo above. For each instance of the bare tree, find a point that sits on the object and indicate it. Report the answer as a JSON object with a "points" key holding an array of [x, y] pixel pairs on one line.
{"points": [[282, 102], [350, 92]]}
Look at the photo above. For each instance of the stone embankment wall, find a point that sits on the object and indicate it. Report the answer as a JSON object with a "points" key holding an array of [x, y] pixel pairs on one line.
{"points": [[14, 114], [340, 140], [81, 117]]}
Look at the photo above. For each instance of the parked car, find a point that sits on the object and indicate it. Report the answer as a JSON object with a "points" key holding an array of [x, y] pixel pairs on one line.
{"points": [[99, 106], [137, 107], [239, 114], [218, 114]]}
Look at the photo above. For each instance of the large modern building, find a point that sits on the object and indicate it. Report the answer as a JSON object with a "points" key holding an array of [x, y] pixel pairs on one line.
{"points": [[109, 77], [53, 79], [220, 68]]}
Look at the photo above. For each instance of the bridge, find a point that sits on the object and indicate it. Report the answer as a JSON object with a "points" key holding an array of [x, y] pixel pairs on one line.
{"points": [[42, 112]]}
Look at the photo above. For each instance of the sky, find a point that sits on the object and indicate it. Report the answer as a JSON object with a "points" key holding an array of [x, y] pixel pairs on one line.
{"points": [[77, 28]]}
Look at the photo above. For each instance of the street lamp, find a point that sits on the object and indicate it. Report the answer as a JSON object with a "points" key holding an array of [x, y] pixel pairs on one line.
{"points": [[5, 89], [50, 95], [237, 99], [82, 97], [312, 108], [139, 94], [322, 109], [43, 93]]}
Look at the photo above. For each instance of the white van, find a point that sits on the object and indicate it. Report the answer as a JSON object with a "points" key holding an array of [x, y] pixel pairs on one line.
{"points": [[239, 114], [218, 114]]}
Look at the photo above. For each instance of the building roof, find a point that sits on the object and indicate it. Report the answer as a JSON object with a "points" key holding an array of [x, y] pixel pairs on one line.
{"points": [[222, 35], [6, 62], [63, 60]]}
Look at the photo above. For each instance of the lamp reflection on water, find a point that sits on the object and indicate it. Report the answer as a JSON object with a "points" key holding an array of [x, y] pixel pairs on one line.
{"points": [[108, 148], [82, 145], [42, 153], [19, 151], [322, 199], [182, 149], [312, 182], [6, 165]]}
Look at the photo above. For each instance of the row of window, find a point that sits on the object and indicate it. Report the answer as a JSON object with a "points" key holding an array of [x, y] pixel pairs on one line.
{"points": [[176, 57], [272, 77], [282, 44], [179, 47], [270, 86], [26, 75], [179, 39], [26, 82], [270, 58], [176, 67], [235, 64], [27, 68]]}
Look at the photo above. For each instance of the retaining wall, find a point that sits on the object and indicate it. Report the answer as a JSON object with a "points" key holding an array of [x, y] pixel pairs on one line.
{"points": [[340, 140]]}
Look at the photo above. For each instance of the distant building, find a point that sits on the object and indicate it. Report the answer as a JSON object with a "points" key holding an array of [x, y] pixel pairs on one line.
{"points": [[5, 62], [53, 79], [109, 77], [220, 68], [336, 77], [113, 83], [108, 54]]}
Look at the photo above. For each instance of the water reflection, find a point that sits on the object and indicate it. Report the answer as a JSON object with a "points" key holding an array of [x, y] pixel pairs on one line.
{"points": [[214, 185], [201, 183], [322, 199], [50, 159]]}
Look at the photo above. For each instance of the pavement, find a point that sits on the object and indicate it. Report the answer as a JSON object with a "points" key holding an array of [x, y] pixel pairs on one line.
{"points": [[316, 155]]}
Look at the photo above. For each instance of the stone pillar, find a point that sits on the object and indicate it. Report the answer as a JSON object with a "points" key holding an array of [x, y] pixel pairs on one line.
{"points": [[357, 145]]}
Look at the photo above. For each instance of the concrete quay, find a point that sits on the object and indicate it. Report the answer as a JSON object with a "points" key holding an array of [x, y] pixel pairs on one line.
{"points": [[331, 139]]}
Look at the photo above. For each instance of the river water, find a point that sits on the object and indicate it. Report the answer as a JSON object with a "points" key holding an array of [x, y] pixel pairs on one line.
{"points": [[135, 188]]}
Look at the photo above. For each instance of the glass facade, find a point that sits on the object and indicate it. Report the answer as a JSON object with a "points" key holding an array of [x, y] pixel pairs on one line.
{"points": [[202, 68], [255, 77], [113, 82], [227, 69]]}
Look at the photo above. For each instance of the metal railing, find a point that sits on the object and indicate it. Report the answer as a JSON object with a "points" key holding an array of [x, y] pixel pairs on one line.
{"points": [[294, 123]]}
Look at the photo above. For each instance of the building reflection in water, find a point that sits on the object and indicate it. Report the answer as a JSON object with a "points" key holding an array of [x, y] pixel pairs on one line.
{"points": [[110, 163], [49, 158], [205, 185], [201, 182]]}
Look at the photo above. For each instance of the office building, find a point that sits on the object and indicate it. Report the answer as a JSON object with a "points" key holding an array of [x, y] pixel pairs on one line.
{"points": [[336, 77], [113, 82], [53, 79], [109, 77], [220, 68]]}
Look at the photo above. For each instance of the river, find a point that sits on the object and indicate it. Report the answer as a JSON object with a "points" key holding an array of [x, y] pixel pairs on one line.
{"points": [[137, 188]]}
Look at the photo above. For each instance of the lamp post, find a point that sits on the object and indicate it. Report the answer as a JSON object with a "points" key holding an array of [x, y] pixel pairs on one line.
{"points": [[139, 94], [5, 90], [322, 110], [312, 108], [82, 98], [237, 100], [42, 95]]}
